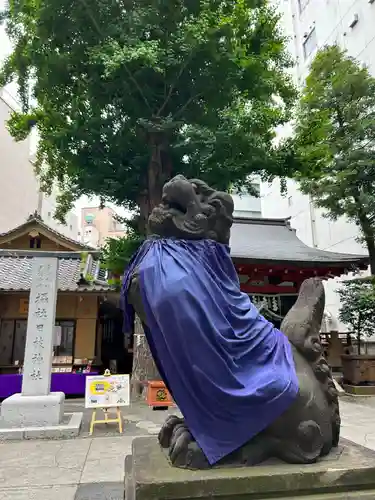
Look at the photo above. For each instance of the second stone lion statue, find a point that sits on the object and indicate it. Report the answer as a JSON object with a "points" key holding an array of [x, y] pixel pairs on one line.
{"points": [[247, 391]]}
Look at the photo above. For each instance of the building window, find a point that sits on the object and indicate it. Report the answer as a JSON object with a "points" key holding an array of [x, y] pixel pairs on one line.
{"points": [[68, 329], [310, 43], [35, 243], [302, 4], [354, 21]]}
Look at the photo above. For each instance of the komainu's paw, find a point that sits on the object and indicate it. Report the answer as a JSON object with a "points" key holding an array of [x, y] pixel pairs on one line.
{"points": [[167, 429], [184, 451]]}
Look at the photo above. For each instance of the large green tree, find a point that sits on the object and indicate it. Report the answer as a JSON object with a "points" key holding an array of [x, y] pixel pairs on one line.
{"points": [[335, 140], [127, 93]]}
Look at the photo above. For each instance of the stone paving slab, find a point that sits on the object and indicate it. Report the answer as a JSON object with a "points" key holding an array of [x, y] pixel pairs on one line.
{"points": [[42, 463], [105, 460], [100, 491], [357, 423], [45, 493], [72, 453]]}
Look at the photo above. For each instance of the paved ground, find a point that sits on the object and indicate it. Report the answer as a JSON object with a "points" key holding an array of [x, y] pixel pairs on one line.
{"points": [[85, 468], [138, 420], [92, 468]]}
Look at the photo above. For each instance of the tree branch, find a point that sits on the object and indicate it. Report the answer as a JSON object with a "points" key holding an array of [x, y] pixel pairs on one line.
{"points": [[187, 103], [124, 64], [173, 86]]}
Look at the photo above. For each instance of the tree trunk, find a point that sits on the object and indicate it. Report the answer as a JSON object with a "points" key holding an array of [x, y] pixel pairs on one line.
{"points": [[359, 337], [159, 171], [370, 243], [143, 213], [368, 232], [144, 368]]}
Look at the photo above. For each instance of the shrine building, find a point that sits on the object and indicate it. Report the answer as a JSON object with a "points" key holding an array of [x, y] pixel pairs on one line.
{"points": [[272, 262], [82, 289]]}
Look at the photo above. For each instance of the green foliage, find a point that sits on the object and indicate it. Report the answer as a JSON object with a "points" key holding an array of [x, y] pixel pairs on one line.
{"points": [[358, 307], [125, 94], [117, 252], [334, 141], [84, 257]]}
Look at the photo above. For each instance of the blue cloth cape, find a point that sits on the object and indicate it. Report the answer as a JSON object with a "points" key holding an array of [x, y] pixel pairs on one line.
{"points": [[229, 370]]}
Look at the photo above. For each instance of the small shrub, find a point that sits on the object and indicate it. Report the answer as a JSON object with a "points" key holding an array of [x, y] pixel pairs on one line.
{"points": [[357, 309]]}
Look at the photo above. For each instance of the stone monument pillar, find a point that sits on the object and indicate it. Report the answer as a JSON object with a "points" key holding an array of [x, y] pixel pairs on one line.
{"points": [[36, 405]]}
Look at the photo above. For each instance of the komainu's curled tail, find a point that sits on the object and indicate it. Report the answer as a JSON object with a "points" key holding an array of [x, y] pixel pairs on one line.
{"points": [[302, 326]]}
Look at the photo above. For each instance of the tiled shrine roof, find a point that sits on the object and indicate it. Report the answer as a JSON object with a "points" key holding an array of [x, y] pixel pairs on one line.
{"points": [[35, 219], [273, 240], [16, 266]]}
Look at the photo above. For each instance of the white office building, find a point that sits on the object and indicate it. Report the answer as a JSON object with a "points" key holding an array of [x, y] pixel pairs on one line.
{"points": [[20, 190], [312, 24]]}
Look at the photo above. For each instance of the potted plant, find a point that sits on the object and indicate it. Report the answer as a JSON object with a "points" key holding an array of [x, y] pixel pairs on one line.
{"points": [[358, 313]]}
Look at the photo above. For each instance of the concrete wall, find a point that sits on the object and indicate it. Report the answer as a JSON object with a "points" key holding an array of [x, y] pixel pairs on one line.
{"points": [[247, 206], [19, 195], [18, 185], [70, 229], [331, 20]]}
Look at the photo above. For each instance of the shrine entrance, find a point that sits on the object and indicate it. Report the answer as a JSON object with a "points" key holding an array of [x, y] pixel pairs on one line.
{"points": [[113, 352]]}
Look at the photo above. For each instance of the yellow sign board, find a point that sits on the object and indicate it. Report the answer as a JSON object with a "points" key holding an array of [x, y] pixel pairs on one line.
{"points": [[106, 391]]}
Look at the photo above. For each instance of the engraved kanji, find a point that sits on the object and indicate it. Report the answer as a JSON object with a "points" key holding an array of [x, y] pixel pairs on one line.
{"points": [[37, 358], [44, 272], [40, 313], [35, 374], [38, 342], [41, 298], [43, 276]]}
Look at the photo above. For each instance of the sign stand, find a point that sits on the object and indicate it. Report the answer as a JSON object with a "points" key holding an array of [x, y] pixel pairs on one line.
{"points": [[105, 410], [106, 420]]}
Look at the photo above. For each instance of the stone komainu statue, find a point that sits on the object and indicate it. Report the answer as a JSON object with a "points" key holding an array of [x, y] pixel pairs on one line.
{"points": [[247, 391]]}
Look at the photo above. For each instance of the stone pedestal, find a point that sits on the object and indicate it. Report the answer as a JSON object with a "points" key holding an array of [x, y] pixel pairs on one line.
{"points": [[19, 410], [348, 473]]}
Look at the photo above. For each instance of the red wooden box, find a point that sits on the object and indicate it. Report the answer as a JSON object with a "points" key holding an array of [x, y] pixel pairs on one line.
{"points": [[158, 394]]}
